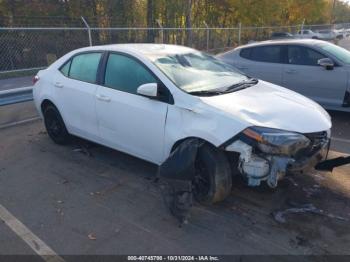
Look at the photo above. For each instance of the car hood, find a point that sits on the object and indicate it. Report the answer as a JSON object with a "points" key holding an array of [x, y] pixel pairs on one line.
{"points": [[269, 105]]}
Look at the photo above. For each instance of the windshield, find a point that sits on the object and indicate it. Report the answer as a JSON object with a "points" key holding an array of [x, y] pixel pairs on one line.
{"points": [[340, 53], [197, 71]]}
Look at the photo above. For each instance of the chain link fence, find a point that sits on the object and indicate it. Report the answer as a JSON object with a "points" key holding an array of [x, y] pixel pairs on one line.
{"points": [[26, 50]]}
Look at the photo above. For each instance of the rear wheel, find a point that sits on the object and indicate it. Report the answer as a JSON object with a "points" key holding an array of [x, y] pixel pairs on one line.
{"points": [[55, 126], [213, 178]]}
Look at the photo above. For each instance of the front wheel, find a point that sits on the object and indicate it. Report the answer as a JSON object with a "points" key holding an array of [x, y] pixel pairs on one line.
{"points": [[213, 177]]}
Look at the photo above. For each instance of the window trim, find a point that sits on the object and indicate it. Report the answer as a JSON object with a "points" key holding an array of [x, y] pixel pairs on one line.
{"points": [[82, 53], [167, 97]]}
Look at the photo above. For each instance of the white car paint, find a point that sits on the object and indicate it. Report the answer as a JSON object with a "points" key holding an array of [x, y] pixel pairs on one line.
{"points": [[148, 129], [307, 34], [280, 101], [327, 35]]}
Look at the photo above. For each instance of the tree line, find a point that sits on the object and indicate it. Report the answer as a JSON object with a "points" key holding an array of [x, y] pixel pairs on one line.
{"points": [[172, 13]]}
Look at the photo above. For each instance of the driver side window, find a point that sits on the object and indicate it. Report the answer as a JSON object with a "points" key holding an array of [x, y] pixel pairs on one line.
{"points": [[126, 74], [300, 55]]}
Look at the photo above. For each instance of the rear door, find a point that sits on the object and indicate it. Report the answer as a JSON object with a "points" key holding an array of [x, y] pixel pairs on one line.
{"points": [[75, 90], [302, 74], [263, 62]]}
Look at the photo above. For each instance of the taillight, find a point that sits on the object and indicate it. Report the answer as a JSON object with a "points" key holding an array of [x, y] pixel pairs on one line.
{"points": [[35, 79]]}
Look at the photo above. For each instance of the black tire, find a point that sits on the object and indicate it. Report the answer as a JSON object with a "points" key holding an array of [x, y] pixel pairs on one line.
{"points": [[55, 126], [213, 178]]}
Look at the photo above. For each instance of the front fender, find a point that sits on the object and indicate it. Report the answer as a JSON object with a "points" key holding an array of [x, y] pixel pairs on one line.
{"points": [[183, 123]]}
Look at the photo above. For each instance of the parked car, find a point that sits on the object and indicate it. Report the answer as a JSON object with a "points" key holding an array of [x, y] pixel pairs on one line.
{"points": [[148, 99], [281, 35], [307, 34], [317, 69], [326, 35], [347, 32], [340, 33]]}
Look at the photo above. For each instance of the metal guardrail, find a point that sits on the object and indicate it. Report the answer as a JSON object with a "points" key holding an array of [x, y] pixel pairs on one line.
{"points": [[16, 95]]}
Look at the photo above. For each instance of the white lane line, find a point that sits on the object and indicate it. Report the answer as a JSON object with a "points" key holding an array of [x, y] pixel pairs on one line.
{"points": [[341, 139], [29, 237]]}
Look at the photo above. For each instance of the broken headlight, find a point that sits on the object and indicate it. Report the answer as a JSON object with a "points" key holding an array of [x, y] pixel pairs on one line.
{"points": [[274, 141]]}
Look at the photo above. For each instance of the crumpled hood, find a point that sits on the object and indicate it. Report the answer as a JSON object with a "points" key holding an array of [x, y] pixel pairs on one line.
{"points": [[269, 105]]}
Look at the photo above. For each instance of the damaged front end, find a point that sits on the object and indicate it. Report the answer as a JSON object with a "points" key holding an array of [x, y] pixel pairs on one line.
{"points": [[266, 154]]}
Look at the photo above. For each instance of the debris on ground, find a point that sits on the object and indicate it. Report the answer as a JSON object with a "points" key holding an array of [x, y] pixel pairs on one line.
{"points": [[279, 216], [91, 236], [182, 201], [310, 191], [42, 133], [60, 211], [107, 190], [178, 172], [63, 182], [291, 179], [83, 150]]}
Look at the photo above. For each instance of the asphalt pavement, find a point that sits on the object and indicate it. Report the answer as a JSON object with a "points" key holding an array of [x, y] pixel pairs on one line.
{"points": [[88, 199]]}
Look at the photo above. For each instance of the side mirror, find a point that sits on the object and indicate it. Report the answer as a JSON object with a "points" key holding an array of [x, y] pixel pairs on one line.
{"points": [[148, 90], [327, 63]]}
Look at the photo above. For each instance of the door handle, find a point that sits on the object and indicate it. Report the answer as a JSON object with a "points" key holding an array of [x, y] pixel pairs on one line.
{"points": [[58, 85], [103, 98], [291, 71]]}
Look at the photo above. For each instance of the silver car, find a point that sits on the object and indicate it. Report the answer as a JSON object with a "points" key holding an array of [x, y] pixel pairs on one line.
{"points": [[314, 68]]}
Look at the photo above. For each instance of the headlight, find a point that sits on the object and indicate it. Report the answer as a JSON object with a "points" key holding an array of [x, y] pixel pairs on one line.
{"points": [[274, 141]]}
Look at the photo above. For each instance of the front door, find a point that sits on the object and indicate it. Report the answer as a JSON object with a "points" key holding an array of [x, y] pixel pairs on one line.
{"points": [[127, 121], [303, 75]]}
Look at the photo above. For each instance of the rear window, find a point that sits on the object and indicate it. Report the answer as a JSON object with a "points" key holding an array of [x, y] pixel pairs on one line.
{"points": [[84, 67], [65, 68], [245, 53], [268, 54]]}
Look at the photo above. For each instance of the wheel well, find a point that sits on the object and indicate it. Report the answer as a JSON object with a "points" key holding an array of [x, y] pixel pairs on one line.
{"points": [[46, 103], [177, 143]]}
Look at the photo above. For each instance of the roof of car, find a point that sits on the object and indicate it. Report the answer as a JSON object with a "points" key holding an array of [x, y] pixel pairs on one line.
{"points": [[144, 49], [283, 41]]}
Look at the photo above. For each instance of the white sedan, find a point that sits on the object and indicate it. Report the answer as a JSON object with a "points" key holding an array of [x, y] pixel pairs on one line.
{"points": [[147, 99]]}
